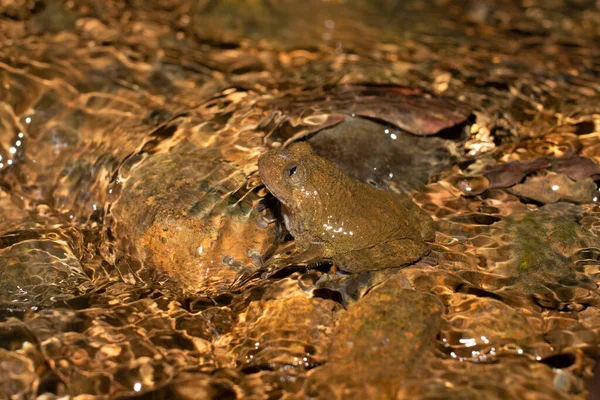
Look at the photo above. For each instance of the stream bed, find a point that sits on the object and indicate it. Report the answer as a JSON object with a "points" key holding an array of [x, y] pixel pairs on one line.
{"points": [[142, 257]]}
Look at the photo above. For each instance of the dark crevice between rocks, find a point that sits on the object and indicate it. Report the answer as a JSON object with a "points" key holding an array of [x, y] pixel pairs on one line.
{"points": [[559, 361], [329, 294], [462, 288]]}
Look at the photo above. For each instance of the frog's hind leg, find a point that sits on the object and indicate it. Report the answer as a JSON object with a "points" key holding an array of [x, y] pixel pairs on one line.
{"points": [[396, 253]]}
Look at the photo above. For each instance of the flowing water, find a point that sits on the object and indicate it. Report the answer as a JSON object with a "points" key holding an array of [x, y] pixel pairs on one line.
{"points": [[141, 256]]}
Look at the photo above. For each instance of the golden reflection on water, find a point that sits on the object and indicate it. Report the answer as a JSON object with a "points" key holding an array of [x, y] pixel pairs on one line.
{"points": [[138, 253]]}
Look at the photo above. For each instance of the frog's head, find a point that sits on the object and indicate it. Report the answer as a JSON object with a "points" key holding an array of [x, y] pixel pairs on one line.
{"points": [[289, 173]]}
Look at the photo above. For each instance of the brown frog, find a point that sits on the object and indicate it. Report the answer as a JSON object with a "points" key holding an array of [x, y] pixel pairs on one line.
{"points": [[333, 216]]}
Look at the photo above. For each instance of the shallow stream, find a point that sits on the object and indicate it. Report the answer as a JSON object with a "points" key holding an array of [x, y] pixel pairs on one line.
{"points": [[141, 255]]}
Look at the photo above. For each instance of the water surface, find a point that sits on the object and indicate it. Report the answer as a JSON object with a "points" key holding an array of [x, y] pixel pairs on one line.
{"points": [[138, 252]]}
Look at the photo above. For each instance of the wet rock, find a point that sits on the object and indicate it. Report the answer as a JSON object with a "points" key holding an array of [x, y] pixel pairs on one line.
{"points": [[16, 9], [510, 173], [38, 268], [288, 333], [552, 187], [476, 324], [53, 17], [369, 332], [378, 343], [448, 379], [471, 185], [350, 287], [537, 241], [122, 351], [187, 214], [409, 110], [382, 155], [190, 385], [94, 29], [19, 376], [531, 249]]}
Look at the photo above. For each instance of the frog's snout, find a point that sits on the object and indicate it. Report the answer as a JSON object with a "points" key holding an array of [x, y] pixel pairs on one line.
{"points": [[266, 163]]}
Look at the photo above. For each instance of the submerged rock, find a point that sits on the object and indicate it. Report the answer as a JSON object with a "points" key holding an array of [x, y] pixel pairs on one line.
{"points": [[348, 288], [19, 376], [188, 216], [553, 187], [383, 155], [537, 241], [39, 268], [449, 379], [485, 321], [378, 344], [572, 174], [196, 385], [411, 110], [280, 334]]}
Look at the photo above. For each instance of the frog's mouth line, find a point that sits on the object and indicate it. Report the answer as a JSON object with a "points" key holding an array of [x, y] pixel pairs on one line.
{"points": [[276, 193]]}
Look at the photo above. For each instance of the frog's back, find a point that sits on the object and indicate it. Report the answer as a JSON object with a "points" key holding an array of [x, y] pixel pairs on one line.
{"points": [[374, 216], [393, 233]]}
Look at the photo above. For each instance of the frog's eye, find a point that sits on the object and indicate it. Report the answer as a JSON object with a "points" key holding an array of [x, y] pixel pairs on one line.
{"points": [[294, 174]]}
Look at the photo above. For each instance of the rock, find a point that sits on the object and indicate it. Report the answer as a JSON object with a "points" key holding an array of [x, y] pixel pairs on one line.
{"points": [[291, 332], [382, 155], [553, 187], [378, 344], [38, 268], [488, 322], [187, 216], [195, 385], [19, 378], [537, 241]]}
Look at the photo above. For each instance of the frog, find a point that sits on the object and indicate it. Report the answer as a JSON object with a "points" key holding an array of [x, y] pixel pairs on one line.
{"points": [[332, 216]]}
